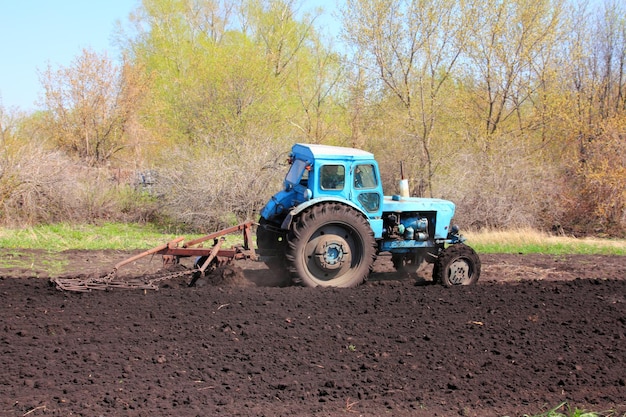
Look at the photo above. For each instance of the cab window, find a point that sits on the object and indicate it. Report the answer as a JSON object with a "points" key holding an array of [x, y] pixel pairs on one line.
{"points": [[332, 177], [364, 176], [369, 201], [296, 172]]}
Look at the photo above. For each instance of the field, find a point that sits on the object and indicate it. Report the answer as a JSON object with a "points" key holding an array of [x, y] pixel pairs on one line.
{"points": [[535, 332]]}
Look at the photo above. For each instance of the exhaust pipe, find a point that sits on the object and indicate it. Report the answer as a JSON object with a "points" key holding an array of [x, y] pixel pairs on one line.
{"points": [[404, 182]]}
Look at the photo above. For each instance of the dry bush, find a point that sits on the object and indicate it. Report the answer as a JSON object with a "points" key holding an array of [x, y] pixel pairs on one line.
{"points": [[39, 186], [29, 181], [593, 195], [502, 190], [205, 190]]}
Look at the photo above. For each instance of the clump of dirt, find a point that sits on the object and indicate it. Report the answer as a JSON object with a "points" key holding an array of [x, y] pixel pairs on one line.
{"points": [[225, 276]]}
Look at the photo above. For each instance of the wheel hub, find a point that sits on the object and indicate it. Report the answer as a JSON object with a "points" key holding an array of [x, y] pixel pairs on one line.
{"points": [[459, 272], [331, 254]]}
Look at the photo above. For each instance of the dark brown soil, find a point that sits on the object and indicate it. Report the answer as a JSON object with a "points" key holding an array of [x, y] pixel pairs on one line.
{"points": [[535, 332]]}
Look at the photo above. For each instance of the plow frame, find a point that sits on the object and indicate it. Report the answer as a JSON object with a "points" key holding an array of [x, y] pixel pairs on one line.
{"points": [[172, 251]]}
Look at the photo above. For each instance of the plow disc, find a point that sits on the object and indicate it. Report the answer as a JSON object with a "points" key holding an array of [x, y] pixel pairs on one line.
{"points": [[209, 257]]}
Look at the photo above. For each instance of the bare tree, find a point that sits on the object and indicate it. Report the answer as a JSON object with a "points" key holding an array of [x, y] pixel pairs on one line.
{"points": [[88, 105], [510, 41], [595, 192], [413, 47]]}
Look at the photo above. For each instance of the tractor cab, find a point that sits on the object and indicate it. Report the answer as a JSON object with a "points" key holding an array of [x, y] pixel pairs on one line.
{"points": [[320, 172]]}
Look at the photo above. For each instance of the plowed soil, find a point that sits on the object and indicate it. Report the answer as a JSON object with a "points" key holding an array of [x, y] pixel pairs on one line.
{"points": [[536, 331]]}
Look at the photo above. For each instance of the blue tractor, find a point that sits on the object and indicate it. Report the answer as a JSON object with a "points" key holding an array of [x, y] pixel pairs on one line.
{"points": [[332, 219]]}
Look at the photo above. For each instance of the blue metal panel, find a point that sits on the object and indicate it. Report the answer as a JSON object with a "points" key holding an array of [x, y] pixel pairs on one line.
{"points": [[277, 204], [377, 227], [391, 245]]}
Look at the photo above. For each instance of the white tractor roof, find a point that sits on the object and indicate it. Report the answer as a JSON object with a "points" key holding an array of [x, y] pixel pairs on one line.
{"points": [[316, 151]]}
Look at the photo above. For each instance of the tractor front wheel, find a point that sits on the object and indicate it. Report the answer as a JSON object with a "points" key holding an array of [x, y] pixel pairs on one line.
{"points": [[331, 245], [458, 264]]}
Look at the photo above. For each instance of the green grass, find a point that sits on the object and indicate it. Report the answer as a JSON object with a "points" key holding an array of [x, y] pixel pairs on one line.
{"points": [[50, 240], [53, 263], [564, 410], [531, 241], [59, 237]]}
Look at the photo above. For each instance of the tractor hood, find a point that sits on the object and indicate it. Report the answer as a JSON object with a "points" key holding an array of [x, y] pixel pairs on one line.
{"points": [[443, 208]]}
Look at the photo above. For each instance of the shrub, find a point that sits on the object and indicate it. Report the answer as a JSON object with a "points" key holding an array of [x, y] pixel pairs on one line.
{"points": [[206, 190], [39, 186]]}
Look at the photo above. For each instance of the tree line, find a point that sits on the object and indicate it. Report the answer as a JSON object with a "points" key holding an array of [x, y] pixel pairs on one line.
{"points": [[513, 109]]}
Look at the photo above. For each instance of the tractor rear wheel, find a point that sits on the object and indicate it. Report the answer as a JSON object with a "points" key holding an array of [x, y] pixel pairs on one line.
{"points": [[458, 264], [331, 245]]}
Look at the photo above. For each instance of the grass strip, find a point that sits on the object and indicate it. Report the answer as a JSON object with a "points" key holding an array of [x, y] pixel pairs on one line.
{"points": [[60, 237], [531, 241], [121, 236]]}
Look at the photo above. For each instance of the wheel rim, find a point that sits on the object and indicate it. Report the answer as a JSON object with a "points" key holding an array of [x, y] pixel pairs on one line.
{"points": [[331, 252], [460, 272]]}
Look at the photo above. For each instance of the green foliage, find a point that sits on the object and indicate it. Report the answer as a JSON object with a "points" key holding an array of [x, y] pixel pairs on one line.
{"points": [[224, 73], [414, 48], [595, 196]]}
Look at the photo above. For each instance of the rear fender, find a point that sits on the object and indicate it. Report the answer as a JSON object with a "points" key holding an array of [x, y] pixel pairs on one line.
{"points": [[293, 213]]}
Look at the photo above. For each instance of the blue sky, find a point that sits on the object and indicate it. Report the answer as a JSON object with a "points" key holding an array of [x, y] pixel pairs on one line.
{"points": [[35, 33]]}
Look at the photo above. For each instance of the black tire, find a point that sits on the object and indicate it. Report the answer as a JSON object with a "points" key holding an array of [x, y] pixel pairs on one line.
{"points": [[271, 247], [436, 274], [269, 241], [458, 264], [331, 245], [409, 262]]}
